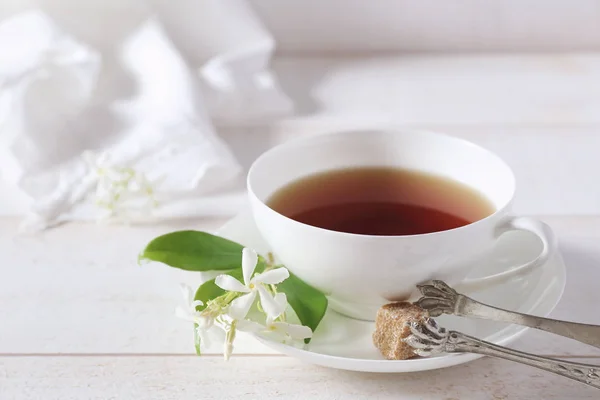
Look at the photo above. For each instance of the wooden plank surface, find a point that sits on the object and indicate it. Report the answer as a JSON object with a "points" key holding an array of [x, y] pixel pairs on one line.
{"points": [[182, 378], [81, 320]]}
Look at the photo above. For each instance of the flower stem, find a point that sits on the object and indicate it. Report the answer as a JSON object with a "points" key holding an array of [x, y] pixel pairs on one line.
{"points": [[197, 342], [232, 330], [229, 338], [229, 297]]}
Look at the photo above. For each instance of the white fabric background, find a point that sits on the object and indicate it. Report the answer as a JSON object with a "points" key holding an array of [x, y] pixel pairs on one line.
{"points": [[136, 84]]}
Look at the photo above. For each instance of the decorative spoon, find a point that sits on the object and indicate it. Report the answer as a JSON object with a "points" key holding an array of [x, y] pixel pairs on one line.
{"points": [[439, 298]]}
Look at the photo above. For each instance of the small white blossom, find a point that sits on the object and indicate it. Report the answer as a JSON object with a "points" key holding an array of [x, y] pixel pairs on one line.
{"points": [[190, 313], [282, 331], [252, 286], [120, 191]]}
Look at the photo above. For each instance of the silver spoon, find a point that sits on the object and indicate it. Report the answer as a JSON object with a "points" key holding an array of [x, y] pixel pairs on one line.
{"points": [[439, 298], [427, 339]]}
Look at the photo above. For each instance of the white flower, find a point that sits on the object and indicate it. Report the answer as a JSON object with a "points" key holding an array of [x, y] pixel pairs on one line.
{"points": [[190, 313], [238, 309], [120, 190], [282, 331]]}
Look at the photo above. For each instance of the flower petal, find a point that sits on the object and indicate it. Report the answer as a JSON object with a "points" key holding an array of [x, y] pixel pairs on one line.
{"points": [[204, 322], [202, 337], [187, 293], [238, 308], [245, 325], [295, 331], [228, 282], [249, 261], [273, 276], [269, 321], [272, 307], [195, 317], [281, 300], [278, 336]]}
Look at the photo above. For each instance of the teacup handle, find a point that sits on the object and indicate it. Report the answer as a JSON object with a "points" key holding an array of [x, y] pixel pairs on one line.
{"points": [[511, 223]]}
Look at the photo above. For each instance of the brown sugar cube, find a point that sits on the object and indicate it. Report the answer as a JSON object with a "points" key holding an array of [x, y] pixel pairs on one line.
{"points": [[391, 326]]}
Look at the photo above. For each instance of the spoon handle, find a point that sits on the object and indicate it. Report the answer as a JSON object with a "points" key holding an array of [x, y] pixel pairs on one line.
{"points": [[428, 339], [585, 373], [439, 298]]}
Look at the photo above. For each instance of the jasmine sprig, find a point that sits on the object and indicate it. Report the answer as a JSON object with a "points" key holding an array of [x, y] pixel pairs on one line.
{"points": [[121, 191], [248, 279], [230, 310]]}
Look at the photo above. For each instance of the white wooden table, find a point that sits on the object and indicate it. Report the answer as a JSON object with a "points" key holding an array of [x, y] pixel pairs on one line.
{"points": [[80, 320]]}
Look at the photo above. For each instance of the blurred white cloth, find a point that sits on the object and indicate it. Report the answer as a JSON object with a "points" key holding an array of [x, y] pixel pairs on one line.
{"points": [[107, 107]]}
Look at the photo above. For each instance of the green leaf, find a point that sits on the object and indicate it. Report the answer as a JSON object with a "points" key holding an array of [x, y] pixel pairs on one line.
{"points": [[308, 303], [194, 251]]}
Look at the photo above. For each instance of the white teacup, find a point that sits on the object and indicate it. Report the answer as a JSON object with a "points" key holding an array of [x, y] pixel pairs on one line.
{"points": [[359, 273]]}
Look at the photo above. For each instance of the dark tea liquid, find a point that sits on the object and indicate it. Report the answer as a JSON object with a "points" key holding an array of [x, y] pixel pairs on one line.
{"points": [[381, 201]]}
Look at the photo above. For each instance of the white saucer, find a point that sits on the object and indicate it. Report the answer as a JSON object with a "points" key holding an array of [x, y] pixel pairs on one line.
{"points": [[345, 343]]}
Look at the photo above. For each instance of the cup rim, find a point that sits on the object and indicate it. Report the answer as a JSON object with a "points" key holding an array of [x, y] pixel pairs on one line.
{"points": [[309, 138]]}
